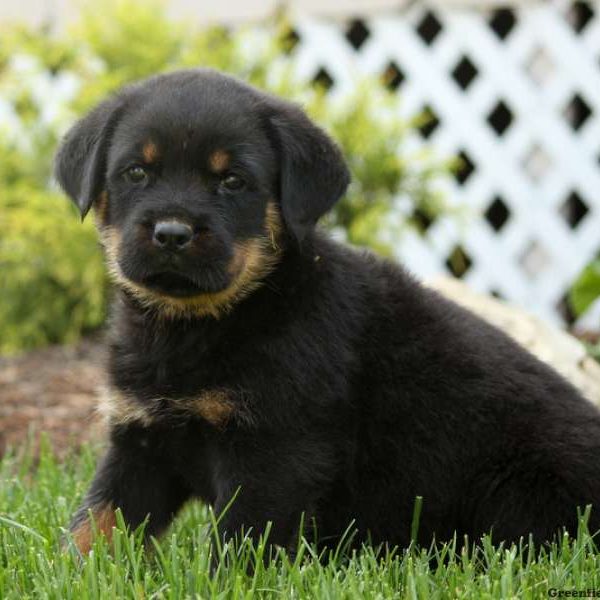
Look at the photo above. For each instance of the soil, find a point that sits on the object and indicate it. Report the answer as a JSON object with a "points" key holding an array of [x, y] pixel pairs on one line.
{"points": [[53, 390]]}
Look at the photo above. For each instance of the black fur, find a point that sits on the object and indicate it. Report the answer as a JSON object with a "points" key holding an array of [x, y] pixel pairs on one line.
{"points": [[354, 389], [81, 161], [312, 175]]}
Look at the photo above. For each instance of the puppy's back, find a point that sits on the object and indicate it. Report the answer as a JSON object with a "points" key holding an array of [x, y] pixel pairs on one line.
{"points": [[452, 409]]}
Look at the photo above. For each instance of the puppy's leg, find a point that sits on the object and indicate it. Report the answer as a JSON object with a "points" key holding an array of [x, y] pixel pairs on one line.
{"points": [[134, 479], [536, 502], [273, 484]]}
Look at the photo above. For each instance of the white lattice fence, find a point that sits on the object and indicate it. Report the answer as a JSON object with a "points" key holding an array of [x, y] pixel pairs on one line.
{"points": [[517, 94]]}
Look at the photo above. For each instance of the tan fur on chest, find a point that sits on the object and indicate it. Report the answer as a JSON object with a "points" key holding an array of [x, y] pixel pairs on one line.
{"points": [[120, 409], [213, 406]]}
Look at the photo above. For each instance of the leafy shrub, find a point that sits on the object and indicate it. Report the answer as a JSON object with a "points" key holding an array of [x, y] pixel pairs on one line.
{"points": [[372, 142], [53, 284], [51, 271], [585, 291]]}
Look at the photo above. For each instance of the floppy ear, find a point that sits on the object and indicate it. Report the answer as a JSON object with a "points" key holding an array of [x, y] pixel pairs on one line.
{"points": [[313, 173], [80, 163]]}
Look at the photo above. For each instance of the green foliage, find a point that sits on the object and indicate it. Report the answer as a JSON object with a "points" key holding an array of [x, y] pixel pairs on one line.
{"points": [[132, 39], [48, 81], [594, 350], [584, 292], [51, 271], [372, 141], [36, 504], [586, 288]]}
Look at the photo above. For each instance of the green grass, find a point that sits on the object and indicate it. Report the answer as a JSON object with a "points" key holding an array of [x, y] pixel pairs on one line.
{"points": [[36, 501]]}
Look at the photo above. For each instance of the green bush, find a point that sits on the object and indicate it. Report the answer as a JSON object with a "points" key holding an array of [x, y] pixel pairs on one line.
{"points": [[586, 288], [585, 291], [53, 284], [51, 271]]}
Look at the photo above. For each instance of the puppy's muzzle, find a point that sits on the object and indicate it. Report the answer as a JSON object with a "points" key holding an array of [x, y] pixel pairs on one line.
{"points": [[172, 235]]}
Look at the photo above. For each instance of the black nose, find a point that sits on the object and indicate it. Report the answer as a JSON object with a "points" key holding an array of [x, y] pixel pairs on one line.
{"points": [[172, 235]]}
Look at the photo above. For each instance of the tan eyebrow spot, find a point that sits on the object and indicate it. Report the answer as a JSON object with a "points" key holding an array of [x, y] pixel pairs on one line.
{"points": [[219, 160], [150, 152]]}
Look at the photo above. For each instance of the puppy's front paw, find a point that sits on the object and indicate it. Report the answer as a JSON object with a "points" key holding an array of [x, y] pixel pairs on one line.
{"points": [[99, 520]]}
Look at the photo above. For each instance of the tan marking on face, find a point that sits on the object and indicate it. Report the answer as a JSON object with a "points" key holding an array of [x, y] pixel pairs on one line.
{"points": [[252, 261], [150, 152], [214, 406], [219, 160], [273, 225], [120, 409], [110, 238], [101, 209], [104, 521]]}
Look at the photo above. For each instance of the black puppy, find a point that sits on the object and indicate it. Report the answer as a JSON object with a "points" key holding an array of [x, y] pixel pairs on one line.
{"points": [[250, 353]]}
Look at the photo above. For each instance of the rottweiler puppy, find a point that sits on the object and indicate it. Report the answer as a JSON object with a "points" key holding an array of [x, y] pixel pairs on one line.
{"points": [[252, 356]]}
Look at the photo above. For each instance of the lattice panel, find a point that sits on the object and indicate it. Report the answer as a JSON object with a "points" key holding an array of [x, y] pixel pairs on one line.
{"points": [[515, 93]]}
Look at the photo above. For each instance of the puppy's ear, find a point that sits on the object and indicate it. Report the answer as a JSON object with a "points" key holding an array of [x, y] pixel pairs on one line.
{"points": [[80, 164], [313, 173]]}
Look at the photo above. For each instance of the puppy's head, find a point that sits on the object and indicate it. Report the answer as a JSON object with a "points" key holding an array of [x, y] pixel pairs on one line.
{"points": [[198, 183]]}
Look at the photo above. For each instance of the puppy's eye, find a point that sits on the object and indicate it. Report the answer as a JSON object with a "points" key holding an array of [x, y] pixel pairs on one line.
{"points": [[136, 174], [233, 183]]}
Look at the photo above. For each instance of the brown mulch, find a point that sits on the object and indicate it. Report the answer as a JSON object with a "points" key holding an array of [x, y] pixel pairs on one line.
{"points": [[52, 390]]}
